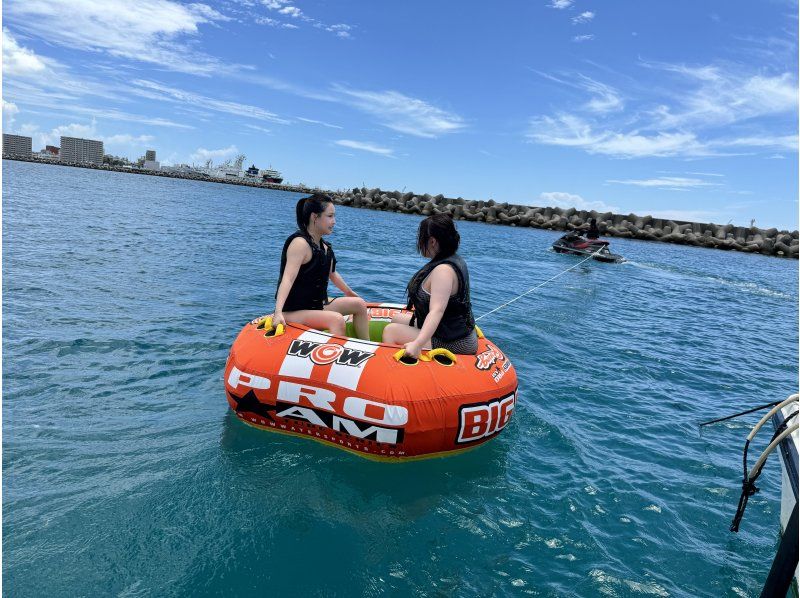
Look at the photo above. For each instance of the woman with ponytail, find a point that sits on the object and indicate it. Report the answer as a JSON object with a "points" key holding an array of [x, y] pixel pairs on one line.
{"points": [[439, 294], [307, 263]]}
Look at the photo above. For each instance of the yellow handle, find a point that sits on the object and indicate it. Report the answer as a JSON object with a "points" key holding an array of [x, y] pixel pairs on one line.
{"points": [[479, 332], [443, 352], [267, 321], [398, 355]]}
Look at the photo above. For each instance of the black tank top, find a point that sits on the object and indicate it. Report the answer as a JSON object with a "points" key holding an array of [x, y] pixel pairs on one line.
{"points": [[457, 320], [310, 288]]}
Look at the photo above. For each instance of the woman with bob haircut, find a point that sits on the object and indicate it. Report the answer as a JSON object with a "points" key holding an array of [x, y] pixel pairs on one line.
{"points": [[307, 263], [439, 294]]}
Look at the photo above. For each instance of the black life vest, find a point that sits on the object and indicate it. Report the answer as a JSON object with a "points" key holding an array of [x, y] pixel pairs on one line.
{"points": [[457, 320], [310, 288]]}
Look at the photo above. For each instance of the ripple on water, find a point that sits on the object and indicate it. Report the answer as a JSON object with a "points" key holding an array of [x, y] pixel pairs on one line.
{"points": [[124, 470]]}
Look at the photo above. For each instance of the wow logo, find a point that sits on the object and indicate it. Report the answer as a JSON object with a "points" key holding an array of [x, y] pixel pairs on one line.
{"points": [[328, 353]]}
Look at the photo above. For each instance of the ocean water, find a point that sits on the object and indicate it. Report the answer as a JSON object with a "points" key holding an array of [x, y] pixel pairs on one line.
{"points": [[125, 474]]}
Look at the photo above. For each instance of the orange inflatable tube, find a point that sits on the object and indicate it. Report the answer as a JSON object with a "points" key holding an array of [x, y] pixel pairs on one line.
{"points": [[366, 397]]}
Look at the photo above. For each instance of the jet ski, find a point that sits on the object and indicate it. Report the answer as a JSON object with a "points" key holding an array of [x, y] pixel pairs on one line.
{"points": [[597, 249]]}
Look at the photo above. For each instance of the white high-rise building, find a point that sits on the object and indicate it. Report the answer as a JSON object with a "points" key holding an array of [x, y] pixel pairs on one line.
{"points": [[17, 145], [74, 149]]}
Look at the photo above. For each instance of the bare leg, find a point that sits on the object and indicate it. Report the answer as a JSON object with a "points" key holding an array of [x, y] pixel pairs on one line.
{"points": [[356, 306], [402, 318], [319, 319], [400, 334]]}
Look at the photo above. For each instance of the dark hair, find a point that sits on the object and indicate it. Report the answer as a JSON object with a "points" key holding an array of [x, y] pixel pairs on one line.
{"points": [[314, 204], [441, 228]]}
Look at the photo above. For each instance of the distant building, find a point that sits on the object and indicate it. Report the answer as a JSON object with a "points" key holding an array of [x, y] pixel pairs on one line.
{"points": [[80, 151], [150, 156], [17, 145], [151, 164], [51, 149]]}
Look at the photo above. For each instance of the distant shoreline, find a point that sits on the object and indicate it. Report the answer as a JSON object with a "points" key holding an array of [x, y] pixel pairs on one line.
{"points": [[773, 242], [171, 175]]}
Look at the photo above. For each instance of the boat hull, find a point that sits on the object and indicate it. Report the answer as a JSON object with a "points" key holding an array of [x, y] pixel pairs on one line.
{"points": [[590, 250], [788, 451]]}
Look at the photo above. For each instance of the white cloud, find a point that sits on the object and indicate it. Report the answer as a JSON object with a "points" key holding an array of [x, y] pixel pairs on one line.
{"points": [[208, 13], [259, 129], [341, 30], [564, 129], [202, 154], [18, 60], [154, 90], [274, 4], [560, 199], [584, 17], [583, 38], [788, 142], [275, 23], [291, 11], [722, 97], [403, 113], [571, 131], [606, 98], [319, 122], [153, 31], [287, 9], [365, 147], [560, 4], [31, 77], [75, 130], [10, 110], [135, 118], [633, 145], [668, 182], [30, 130], [706, 174], [690, 127], [55, 102]]}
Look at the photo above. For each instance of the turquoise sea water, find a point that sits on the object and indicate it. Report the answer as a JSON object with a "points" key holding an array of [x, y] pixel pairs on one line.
{"points": [[125, 474]]}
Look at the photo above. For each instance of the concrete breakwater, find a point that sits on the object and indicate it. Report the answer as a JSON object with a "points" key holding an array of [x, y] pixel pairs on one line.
{"points": [[717, 236]]}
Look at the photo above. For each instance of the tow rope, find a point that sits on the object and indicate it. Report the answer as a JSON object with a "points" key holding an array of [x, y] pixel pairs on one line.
{"points": [[507, 303], [727, 417]]}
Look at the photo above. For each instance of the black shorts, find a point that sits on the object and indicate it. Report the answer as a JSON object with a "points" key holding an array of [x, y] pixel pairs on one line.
{"points": [[467, 345]]}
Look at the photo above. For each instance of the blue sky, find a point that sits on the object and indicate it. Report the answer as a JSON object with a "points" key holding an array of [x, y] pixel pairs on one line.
{"points": [[676, 108]]}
